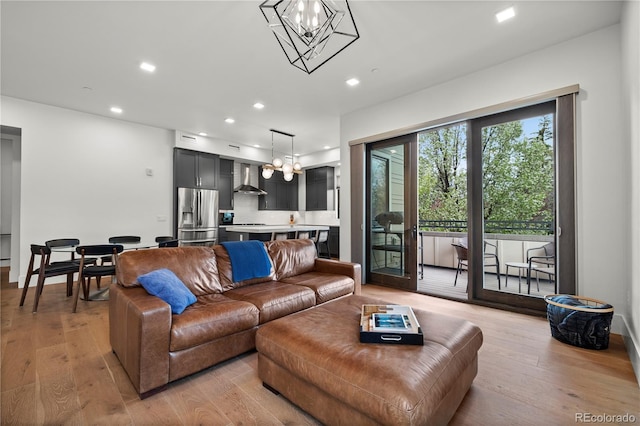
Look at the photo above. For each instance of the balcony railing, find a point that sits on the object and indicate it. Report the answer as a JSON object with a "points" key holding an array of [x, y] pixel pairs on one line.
{"points": [[529, 227]]}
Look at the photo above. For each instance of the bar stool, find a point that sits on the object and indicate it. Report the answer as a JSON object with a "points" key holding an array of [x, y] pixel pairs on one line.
{"points": [[322, 237], [303, 235], [279, 236]]}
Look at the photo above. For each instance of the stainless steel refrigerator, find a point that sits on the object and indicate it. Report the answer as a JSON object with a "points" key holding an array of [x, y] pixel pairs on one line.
{"points": [[197, 217]]}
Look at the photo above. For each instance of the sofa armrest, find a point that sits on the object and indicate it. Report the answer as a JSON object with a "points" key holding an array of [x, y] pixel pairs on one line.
{"points": [[139, 331], [352, 270]]}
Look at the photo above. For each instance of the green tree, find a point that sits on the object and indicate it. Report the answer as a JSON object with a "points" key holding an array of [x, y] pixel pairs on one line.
{"points": [[443, 178], [517, 173]]}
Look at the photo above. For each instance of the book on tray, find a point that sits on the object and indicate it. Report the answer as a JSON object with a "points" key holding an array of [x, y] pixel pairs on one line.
{"points": [[390, 324]]}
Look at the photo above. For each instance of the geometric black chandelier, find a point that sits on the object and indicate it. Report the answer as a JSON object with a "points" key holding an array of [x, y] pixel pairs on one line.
{"points": [[310, 32]]}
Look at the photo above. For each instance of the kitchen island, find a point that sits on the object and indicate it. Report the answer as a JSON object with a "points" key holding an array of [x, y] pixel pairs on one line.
{"points": [[264, 232]]}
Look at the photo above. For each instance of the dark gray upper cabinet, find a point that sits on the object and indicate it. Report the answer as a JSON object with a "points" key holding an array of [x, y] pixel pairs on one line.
{"points": [[225, 186], [194, 169], [281, 195], [320, 188]]}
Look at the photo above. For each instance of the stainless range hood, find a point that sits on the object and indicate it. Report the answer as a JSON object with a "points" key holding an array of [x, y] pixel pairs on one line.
{"points": [[246, 187]]}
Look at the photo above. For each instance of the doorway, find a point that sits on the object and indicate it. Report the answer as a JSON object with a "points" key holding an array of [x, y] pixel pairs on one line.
{"points": [[10, 154]]}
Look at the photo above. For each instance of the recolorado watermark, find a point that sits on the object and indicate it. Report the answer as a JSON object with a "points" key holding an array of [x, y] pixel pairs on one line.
{"points": [[605, 418]]}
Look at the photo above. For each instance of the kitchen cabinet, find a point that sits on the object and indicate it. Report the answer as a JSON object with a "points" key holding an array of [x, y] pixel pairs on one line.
{"points": [[225, 184], [194, 169], [320, 188], [281, 195]]}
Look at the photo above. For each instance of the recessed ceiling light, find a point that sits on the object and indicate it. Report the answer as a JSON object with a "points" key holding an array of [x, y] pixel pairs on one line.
{"points": [[116, 110], [327, 147], [353, 82], [258, 105], [202, 134], [229, 120], [505, 14], [256, 146], [147, 67]]}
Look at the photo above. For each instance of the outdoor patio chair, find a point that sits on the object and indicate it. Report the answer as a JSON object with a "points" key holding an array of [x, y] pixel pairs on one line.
{"points": [[490, 257], [540, 262], [463, 259]]}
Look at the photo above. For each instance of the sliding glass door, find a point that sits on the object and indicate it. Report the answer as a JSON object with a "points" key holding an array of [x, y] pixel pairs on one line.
{"points": [[518, 201], [391, 218], [514, 170], [494, 198], [442, 211]]}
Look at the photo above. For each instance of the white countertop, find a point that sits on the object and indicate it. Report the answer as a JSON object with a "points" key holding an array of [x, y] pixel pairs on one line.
{"points": [[267, 229]]}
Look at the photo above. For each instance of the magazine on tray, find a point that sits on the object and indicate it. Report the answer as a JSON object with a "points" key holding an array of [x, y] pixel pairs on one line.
{"points": [[389, 319]]}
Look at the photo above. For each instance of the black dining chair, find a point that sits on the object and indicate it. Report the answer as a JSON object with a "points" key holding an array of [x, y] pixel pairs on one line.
{"points": [[43, 269], [168, 243], [67, 242], [164, 238], [88, 271], [120, 239], [63, 242]]}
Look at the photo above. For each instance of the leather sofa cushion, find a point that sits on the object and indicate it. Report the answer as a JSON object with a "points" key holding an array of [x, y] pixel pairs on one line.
{"points": [[275, 299], [226, 273], [292, 257], [195, 266], [211, 317], [326, 286]]}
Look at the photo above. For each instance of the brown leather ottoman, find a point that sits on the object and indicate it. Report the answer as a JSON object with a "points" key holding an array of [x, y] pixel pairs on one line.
{"points": [[315, 359]]}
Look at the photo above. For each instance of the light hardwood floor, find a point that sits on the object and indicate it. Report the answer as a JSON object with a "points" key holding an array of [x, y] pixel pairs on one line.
{"points": [[58, 368]]}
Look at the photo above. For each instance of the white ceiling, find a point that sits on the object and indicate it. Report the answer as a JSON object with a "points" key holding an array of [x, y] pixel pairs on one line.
{"points": [[215, 59]]}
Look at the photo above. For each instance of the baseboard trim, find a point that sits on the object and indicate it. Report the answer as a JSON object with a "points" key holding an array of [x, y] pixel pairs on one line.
{"points": [[632, 345]]}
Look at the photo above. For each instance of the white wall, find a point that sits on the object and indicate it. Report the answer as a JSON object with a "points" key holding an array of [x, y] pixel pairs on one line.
{"points": [[631, 102], [603, 171], [83, 176]]}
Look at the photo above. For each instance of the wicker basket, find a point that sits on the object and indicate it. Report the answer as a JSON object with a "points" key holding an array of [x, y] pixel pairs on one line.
{"points": [[579, 321]]}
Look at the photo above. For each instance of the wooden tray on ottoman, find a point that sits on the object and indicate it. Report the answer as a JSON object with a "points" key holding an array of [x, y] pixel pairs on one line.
{"points": [[315, 359]]}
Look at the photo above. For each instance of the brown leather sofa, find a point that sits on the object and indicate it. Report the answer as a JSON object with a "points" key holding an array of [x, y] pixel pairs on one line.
{"points": [[156, 347]]}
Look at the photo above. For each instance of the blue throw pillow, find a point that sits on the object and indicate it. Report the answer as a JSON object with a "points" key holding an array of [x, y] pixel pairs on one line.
{"points": [[163, 283]]}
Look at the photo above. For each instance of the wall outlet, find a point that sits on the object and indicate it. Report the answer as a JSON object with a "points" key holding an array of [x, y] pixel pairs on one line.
{"points": [[149, 171]]}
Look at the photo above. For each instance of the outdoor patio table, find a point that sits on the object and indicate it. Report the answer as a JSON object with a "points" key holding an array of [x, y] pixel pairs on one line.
{"points": [[520, 266]]}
